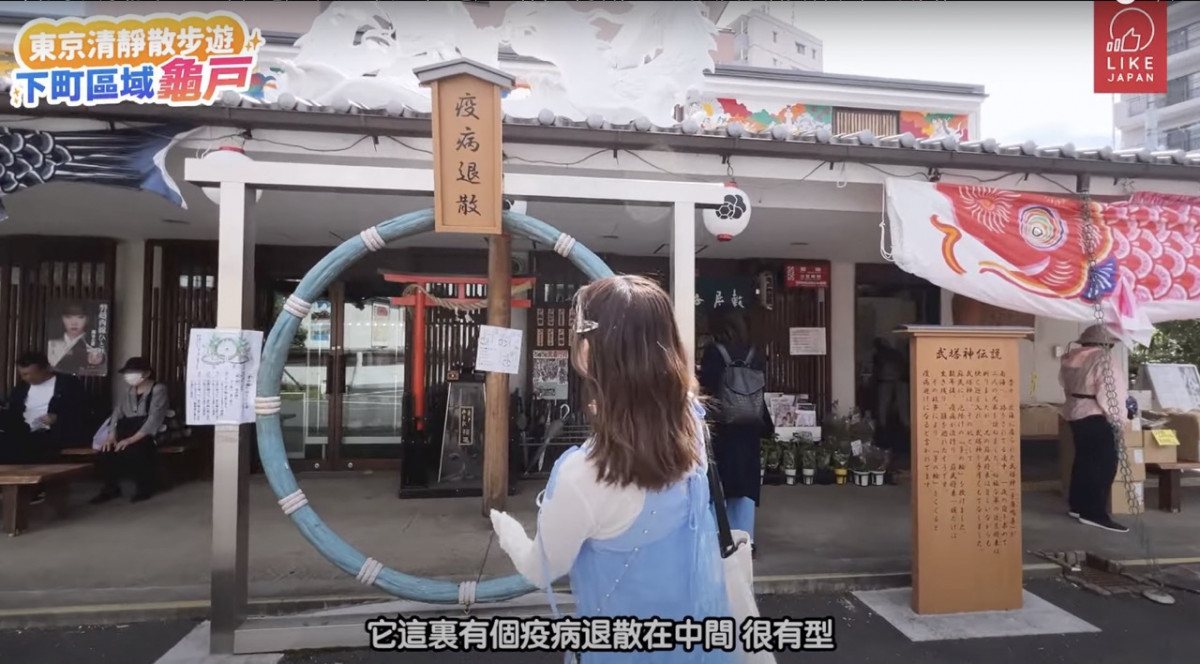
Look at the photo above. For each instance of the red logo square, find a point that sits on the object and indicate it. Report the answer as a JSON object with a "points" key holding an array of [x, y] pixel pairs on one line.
{"points": [[1130, 46]]}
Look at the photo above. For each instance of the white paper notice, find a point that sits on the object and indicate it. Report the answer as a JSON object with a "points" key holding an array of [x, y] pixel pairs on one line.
{"points": [[222, 376], [499, 349], [806, 340]]}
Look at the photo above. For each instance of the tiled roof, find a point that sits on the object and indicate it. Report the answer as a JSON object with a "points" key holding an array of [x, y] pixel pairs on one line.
{"points": [[777, 133], [290, 113]]}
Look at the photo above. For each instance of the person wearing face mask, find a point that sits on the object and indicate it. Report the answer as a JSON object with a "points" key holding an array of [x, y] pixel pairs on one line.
{"points": [[140, 413]]}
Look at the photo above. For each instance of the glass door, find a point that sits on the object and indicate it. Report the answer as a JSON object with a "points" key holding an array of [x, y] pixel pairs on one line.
{"points": [[372, 363], [307, 392]]}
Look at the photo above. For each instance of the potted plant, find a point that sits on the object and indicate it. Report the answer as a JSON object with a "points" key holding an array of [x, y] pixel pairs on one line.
{"points": [[840, 459], [858, 470], [764, 457], [773, 456], [824, 473], [877, 465], [787, 460], [808, 463]]}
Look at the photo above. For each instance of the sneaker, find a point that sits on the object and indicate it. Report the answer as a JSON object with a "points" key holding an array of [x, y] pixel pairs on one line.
{"points": [[141, 496], [1073, 514], [1106, 524]]}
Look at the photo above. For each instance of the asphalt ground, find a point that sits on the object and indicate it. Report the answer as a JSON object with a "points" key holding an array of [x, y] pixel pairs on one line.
{"points": [[1132, 630]]}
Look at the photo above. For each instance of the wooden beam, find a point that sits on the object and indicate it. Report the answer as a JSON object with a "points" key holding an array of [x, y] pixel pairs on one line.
{"points": [[495, 432]]}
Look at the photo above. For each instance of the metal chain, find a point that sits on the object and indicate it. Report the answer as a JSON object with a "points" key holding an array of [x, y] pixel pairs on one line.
{"points": [[1116, 411]]}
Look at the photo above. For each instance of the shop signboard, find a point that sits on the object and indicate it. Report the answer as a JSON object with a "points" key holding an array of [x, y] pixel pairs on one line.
{"points": [[735, 293], [171, 59], [807, 274]]}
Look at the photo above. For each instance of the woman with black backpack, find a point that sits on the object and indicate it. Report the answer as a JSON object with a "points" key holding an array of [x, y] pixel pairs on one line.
{"points": [[733, 377]]}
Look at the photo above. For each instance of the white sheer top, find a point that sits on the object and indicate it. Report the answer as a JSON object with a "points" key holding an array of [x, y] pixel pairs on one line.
{"points": [[582, 508]]}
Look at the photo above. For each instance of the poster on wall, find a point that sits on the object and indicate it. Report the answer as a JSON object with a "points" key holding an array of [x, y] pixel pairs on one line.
{"points": [[551, 374], [77, 336], [319, 325], [222, 375], [381, 325], [499, 349], [806, 341]]}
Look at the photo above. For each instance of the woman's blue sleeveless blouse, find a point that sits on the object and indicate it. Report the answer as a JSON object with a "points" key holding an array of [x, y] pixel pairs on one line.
{"points": [[666, 565]]}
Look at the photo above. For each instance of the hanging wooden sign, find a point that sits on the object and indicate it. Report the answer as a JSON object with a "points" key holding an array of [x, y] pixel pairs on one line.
{"points": [[467, 153]]}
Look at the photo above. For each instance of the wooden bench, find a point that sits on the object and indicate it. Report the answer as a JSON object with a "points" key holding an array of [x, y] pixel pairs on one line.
{"points": [[19, 483], [179, 461], [1169, 476]]}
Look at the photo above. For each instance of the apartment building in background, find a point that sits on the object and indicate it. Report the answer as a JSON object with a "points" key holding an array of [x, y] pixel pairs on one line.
{"points": [[759, 39], [1168, 121]]}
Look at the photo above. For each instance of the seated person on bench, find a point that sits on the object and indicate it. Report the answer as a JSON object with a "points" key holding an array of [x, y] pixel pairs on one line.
{"points": [[44, 413], [131, 449]]}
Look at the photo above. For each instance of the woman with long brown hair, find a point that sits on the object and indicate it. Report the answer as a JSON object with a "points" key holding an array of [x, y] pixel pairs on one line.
{"points": [[627, 515]]}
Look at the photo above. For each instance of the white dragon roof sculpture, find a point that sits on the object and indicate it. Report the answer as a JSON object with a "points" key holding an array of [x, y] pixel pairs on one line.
{"points": [[365, 52]]}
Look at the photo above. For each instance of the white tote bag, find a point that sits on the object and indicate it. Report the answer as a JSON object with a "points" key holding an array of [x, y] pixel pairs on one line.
{"points": [[739, 587], [101, 436]]}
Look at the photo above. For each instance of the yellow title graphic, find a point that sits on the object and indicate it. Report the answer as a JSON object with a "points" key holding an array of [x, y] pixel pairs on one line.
{"points": [[155, 39]]}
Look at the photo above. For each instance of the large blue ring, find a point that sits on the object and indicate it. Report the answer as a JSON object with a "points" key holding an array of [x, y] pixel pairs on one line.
{"points": [[270, 434]]}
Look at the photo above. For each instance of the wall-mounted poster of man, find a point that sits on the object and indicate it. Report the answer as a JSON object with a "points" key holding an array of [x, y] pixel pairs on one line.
{"points": [[77, 337]]}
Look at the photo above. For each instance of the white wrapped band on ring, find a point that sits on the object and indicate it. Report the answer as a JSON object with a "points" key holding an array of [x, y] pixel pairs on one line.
{"points": [[372, 239], [369, 572], [564, 244], [466, 593], [293, 501], [267, 405], [296, 307]]}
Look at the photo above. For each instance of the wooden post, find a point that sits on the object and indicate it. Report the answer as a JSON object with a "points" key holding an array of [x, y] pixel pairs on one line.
{"points": [[495, 423], [966, 460], [468, 198]]}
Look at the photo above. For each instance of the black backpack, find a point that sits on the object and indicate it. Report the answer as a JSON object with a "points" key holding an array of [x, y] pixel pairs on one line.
{"points": [[740, 395]]}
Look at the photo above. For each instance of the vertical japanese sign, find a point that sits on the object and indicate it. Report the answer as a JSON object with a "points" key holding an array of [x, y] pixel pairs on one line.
{"points": [[468, 179], [1130, 47], [176, 60]]}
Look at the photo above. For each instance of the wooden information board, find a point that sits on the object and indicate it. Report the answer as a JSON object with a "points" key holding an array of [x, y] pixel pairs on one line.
{"points": [[966, 460], [467, 151]]}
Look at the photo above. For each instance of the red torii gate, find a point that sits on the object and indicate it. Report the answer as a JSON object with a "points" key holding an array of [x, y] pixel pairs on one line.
{"points": [[419, 301]]}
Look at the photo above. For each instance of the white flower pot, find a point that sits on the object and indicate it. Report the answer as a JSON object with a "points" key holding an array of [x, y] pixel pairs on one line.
{"points": [[807, 475], [861, 478], [877, 477], [789, 475]]}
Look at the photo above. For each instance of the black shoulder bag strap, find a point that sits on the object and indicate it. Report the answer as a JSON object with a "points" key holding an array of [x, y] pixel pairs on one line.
{"points": [[724, 534]]}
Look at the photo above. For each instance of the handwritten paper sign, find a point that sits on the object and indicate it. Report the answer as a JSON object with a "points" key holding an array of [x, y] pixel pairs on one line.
{"points": [[1165, 437], [499, 349], [806, 340], [222, 374]]}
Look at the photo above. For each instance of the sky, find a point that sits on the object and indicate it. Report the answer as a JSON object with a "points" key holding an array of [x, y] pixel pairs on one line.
{"points": [[1034, 59]]}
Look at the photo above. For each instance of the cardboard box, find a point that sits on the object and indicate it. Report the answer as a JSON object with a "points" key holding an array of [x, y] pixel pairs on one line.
{"points": [[1119, 500], [1155, 453], [1187, 429], [1039, 420], [1134, 450], [1137, 464]]}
